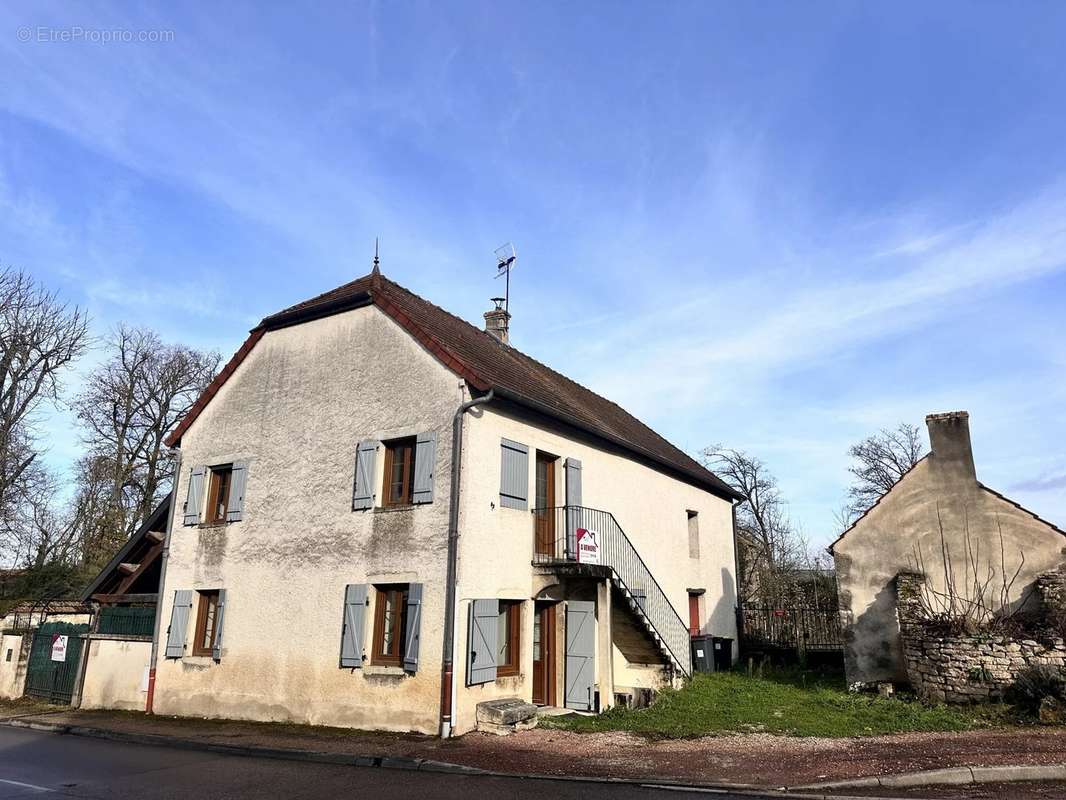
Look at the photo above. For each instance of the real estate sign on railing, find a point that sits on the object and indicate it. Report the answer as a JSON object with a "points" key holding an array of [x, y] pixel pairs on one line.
{"points": [[588, 546]]}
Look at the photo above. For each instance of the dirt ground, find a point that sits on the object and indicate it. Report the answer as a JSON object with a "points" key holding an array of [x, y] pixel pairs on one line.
{"points": [[756, 759]]}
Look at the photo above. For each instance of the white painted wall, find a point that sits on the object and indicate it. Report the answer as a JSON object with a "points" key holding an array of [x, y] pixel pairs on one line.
{"points": [[13, 670], [115, 674], [295, 410]]}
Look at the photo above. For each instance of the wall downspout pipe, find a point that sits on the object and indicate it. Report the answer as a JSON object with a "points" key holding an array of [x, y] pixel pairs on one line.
{"points": [[150, 699], [447, 676]]}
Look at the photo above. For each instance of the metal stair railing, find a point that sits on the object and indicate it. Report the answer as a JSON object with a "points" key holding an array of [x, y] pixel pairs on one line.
{"points": [[558, 536]]}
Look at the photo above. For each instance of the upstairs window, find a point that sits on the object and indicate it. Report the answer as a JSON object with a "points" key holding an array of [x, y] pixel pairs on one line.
{"points": [[218, 493], [399, 472], [693, 534]]}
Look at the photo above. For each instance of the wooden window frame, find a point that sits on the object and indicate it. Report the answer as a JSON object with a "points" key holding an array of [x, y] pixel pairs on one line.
{"points": [[208, 597], [513, 610], [399, 625], [218, 494], [407, 479]]}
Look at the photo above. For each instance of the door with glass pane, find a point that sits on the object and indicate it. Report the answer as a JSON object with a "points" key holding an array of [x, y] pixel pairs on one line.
{"points": [[545, 503]]}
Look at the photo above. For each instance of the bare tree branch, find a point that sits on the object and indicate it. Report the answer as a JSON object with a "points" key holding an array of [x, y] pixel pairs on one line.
{"points": [[880, 461], [128, 406]]}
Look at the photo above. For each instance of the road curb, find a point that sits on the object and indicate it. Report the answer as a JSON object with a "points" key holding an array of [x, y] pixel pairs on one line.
{"points": [[407, 763], [951, 776]]}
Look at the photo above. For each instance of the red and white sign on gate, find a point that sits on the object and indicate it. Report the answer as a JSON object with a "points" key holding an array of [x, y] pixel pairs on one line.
{"points": [[59, 647], [588, 546]]}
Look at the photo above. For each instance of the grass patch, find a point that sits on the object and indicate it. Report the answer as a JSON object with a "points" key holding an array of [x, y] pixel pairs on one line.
{"points": [[793, 704]]}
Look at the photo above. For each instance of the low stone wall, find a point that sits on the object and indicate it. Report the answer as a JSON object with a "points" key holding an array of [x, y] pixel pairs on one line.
{"points": [[971, 669]]}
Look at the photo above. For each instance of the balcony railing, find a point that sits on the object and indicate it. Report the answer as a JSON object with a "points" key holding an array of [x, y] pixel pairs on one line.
{"points": [[126, 621], [576, 535]]}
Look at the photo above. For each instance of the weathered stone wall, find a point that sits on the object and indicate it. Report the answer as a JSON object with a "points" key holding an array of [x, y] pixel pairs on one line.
{"points": [[975, 668]]}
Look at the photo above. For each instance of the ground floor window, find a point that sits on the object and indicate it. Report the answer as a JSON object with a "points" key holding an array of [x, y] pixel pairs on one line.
{"points": [[390, 611], [508, 637], [206, 619]]}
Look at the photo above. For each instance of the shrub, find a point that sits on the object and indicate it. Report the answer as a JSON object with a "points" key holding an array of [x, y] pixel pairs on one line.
{"points": [[1035, 683]]}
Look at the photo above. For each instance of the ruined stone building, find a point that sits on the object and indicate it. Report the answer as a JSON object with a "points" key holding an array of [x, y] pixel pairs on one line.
{"points": [[937, 515]]}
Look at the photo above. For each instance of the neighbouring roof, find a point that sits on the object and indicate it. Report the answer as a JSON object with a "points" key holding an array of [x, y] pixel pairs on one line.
{"points": [[134, 547], [51, 607], [485, 363]]}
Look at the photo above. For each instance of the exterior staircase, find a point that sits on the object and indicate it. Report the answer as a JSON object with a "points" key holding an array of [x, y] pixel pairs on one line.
{"points": [[586, 539]]}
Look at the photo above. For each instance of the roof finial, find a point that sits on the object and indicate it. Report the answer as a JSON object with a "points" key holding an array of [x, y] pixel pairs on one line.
{"points": [[377, 268]]}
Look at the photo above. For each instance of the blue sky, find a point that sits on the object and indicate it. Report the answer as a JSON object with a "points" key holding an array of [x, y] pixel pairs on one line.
{"points": [[775, 226]]}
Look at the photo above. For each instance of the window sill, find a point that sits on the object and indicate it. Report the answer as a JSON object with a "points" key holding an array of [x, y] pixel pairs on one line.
{"points": [[393, 509], [379, 669], [197, 660], [208, 525]]}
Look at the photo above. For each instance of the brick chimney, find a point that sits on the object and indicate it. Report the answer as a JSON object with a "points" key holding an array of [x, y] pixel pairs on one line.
{"points": [[498, 320], [949, 439]]}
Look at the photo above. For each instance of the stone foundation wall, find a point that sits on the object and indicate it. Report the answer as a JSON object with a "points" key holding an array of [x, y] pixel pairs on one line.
{"points": [[971, 669]]}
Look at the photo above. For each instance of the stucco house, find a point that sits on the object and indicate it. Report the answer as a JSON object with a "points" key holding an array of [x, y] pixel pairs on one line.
{"points": [[385, 515], [937, 514]]}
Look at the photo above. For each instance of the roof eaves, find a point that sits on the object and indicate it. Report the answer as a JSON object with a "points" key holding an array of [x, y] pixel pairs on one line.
{"points": [[723, 491], [1020, 507], [149, 524], [306, 313]]}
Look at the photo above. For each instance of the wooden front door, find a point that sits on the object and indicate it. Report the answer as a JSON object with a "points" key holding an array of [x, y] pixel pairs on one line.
{"points": [[545, 503], [544, 655]]}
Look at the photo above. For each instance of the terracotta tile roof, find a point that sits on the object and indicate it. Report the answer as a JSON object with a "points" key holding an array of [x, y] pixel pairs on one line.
{"points": [[485, 363]]}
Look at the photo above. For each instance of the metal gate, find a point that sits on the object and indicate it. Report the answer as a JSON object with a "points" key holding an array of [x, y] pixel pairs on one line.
{"points": [[49, 679]]}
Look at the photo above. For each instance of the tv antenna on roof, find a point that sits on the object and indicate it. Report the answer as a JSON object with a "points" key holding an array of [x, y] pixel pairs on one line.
{"points": [[505, 259]]}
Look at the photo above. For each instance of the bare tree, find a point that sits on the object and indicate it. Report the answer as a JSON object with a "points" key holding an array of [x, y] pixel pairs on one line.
{"points": [[771, 547], [39, 338], [879, 462], [128, 406]]}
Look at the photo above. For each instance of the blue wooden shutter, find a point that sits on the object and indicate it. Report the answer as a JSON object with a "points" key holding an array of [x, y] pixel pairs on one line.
{"points": [[235, 506], [481, 641], [425, 461], [414, 624], [514, 474], [179, 623], [363, 492], [580, 654], [220, 615], [352, 627], [574, 512], [194, 498]]}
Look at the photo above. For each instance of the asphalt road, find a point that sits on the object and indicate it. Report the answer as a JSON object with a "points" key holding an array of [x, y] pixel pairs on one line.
{"points": [[38, 765]]}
